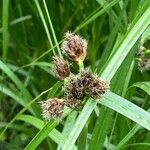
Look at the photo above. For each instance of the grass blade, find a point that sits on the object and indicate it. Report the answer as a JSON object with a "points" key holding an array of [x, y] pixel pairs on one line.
{"points": [[126, 108], [52, 29], [131, 37], [13, 95], [128, 136], [41, 135], [79, 124], [16, 80], [44, 24], [145, 86], [96, 15], [23, 110], [5, 28], [100, 129], [55, 135]]}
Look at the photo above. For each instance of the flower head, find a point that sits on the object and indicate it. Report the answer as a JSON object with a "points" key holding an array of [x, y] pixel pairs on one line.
{"points": [[140, 52], [74, 104], [94, 87], [75, 47], [52, 108], [74, 89], [144, 64], [85, 83], [61, 68]]}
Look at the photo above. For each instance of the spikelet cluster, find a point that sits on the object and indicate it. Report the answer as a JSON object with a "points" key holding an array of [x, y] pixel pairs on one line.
{"points": [[61, 68], [82, 85], [76, 87], [144, 64], [52, 108], [143, 61], [94, 86], [75, 47]]}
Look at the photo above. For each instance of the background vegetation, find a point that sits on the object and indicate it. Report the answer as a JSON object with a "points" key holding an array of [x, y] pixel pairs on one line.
{"points": [[114, 29]]}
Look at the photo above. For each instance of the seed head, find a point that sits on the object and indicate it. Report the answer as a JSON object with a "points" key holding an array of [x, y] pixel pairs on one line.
{"points": [[144, 64], [140, 52], [52, 108], [61, 68], [84, 84], [74, 89], [74, 104], [75, 47], [94, 87]]}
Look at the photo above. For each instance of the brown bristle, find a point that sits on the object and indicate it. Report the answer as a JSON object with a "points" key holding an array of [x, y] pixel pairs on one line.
{"points": [[61, 68], [74, 104], [75, 47], [52, 108], [144, 64]]}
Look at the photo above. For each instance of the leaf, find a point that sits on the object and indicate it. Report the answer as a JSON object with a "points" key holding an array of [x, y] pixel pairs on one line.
{"points": [[27, 96], [13, 95], [97, 14], [128, 136], [100, 129], [79, 124], [43, 133], [52, 29], [44, 24], [126, 108], [54, 90], [28, 105], [55, 135], [126, 44], [145, 86], [16, 80], [5, 28]]}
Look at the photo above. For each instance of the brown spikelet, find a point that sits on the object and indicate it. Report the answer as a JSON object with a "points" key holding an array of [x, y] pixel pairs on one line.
{"points": [[139, 52], [61, 68], [52, 108], [94, 87], [74, 104], [75, 47], [84, 84], [74, 89], [144, 64]]}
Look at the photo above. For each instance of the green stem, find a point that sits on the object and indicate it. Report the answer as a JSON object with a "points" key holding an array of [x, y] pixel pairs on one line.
{"points": [[81, 65]]}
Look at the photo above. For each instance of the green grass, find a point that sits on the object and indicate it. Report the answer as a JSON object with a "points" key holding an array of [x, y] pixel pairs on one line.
{"points": [[31, 33]]}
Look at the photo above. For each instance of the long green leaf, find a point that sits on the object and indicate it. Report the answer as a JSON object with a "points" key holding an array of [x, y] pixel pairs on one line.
{"points": [[55, 135], [100, 129], [97, 14], [28, 105], [126, 108], [16, 80], [52, 29], [44, 24], [145, 86], [26, 94], [130, 38], [79, 124], [128, 136], [13, 95], [5, 28], [43, 133]]}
